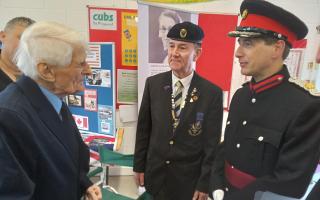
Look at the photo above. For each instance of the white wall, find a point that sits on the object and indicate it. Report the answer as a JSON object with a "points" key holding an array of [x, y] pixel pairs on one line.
{"points": [[74, 12], [70, 12]]}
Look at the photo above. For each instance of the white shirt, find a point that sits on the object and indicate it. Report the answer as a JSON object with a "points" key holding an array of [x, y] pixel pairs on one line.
{"points": [[186, 81]]}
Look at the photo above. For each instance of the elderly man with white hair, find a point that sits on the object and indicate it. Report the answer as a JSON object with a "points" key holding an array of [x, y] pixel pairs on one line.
{"points": [[42, 155]]}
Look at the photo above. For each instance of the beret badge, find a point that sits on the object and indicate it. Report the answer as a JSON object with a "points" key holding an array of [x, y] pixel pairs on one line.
{"points": [[244, 14], [183, 33]]}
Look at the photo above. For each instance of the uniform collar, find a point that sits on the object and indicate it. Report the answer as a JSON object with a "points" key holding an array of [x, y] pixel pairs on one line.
{"points": [[270, 82]]}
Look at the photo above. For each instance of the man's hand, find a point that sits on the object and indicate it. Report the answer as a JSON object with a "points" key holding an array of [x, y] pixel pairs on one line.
{"points": [[93, 193], [199, 195], [139, 178], [218, 195]]}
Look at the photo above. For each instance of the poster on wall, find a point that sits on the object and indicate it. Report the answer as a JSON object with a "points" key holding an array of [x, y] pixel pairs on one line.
{"points": [[94, 108], [124, 37], [75, 100], [93, 56], [103, 19], [105, 119], [307, 76], [129, 37], [161, 20], [294, 61], [127, 86], [90, 100], [214, 65], [99, 78]]}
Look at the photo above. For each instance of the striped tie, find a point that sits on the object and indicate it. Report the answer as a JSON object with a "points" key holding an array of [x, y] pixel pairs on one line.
{"points": [[178, 98]]}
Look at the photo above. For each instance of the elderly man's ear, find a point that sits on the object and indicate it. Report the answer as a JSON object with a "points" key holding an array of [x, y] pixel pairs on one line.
{"points": [[46, 72]]}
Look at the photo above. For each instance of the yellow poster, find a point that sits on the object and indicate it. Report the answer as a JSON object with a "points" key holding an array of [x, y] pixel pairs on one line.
{"points": [[176, 1], [129, 39]]}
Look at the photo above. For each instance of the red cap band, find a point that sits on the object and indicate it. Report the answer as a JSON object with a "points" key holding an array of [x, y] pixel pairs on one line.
{"points": [[259, 21]]}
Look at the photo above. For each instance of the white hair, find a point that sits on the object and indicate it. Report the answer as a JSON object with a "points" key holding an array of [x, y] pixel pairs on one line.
{"points": [[47, 42]]}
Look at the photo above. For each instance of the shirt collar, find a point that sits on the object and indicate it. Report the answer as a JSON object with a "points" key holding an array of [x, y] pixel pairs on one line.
{"points": [[185, 81], [53, 99]]}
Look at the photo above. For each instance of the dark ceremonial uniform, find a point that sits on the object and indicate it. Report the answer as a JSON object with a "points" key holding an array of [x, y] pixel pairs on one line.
{"points": [[272, 134], [271, 139]]}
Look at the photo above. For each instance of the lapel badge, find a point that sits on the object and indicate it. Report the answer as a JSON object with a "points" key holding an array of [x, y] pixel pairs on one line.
{"points": [[195, 98], [183, 33], [195, 129], [244, 14], [194, 95], [167, 88]]}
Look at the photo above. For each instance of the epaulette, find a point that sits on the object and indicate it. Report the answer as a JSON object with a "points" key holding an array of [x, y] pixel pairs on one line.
{"points": [[305, 85], [245, 83]]}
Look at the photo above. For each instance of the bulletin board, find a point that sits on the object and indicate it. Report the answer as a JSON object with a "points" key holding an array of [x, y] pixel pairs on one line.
{"points": [[94, 108], [120, 27]]}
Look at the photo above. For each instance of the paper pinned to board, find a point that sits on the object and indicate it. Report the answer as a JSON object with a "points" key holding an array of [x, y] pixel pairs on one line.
{"points": [[119, 139], [128, 113]]}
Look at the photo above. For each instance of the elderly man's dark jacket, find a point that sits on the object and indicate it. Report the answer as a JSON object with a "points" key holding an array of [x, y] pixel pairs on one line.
{"points": [[4, 80], [178, 160], [42, 157], [272, 134]]}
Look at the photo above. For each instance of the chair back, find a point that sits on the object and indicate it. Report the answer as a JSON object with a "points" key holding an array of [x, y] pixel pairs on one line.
{"points": [[108, 156]]}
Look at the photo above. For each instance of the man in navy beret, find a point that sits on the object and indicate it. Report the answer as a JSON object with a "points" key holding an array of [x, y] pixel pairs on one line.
{"points": [[179, 125], [271, 143]]}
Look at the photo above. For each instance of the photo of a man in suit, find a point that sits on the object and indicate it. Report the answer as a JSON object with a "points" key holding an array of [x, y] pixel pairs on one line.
{"points": [[160, 22], [179, 123], [42, 154]]}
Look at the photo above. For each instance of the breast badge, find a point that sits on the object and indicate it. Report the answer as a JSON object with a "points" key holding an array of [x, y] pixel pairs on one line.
{"points": [[195, 129]]}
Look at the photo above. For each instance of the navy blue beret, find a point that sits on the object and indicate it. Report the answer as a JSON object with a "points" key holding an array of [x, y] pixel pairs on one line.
{"points": [[186, 31]]}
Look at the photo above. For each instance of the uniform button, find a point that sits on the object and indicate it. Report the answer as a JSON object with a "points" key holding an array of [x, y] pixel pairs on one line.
{"points": [[228, 122], [238, 145], [253, 100], [171, 142], [244, 123], [168, 162], [232, 166], [260, 138], [227, 189]]}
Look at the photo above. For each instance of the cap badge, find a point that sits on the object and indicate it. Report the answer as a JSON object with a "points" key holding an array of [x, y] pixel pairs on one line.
{"points": [[244, 14], [183, 33]]}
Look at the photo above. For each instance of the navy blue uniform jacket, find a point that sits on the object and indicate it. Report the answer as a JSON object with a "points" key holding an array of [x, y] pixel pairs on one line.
{"points": [[41, 158]]}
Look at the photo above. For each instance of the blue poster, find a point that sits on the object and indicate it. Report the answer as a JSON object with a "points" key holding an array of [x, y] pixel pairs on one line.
{"points": [[94, 108]]}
